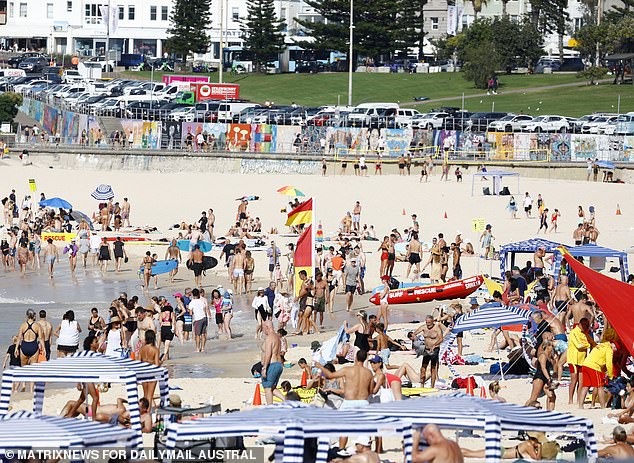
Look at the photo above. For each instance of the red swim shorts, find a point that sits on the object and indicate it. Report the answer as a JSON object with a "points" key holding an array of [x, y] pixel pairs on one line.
{"points": [[592, 378]]}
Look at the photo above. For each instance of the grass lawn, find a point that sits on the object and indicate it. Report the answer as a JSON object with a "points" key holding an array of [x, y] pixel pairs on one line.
{"points": [[569, 101], [322, 89]]}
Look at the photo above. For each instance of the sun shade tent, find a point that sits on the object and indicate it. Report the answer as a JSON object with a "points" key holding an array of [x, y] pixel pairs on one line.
{"points": [[496, 176], [613, 297], [508, 251], [38, 431], [88, 367], [460, 411], [490, 315], [293, 422], [592, 250]]}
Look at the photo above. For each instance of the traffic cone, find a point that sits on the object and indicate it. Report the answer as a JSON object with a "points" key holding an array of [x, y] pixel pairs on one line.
{"points": [[470, 382], [132, 355], [483, 392], [404, 211], [445, 214], [257, 397], [618, 210], [304, 381]]}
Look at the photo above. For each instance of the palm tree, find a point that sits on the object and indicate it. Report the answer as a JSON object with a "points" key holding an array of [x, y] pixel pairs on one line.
{"points": [[477, 7]]}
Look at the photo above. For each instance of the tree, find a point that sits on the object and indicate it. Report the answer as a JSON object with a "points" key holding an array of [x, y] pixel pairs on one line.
{"points": [[189, 22], [593, 73], [480, 63], [262, 31], [410, 30], [477, 7], [375, 26], [9, 103]]}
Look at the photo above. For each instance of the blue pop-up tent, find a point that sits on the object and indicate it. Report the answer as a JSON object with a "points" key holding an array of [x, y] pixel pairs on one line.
{"points": [[592, 250], [508, 251]]}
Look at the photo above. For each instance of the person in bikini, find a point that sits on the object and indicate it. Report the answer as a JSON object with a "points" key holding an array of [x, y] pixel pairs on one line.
{"points": [[146, 263], [528, 450]]}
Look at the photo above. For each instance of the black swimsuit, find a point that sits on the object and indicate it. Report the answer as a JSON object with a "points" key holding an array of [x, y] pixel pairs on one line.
{"points": [[29, 348], [361, 341]]}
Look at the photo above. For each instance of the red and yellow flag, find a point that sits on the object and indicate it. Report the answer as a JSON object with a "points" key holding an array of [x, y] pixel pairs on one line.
{"points": [[301, 214], [303, 259]]}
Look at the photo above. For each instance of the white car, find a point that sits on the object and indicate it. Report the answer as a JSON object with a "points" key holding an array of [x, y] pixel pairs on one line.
{"points": [[405, 116], [510, 123], [187, 114], [546, 124], [600, 125], [430, 121], [23, 88]]}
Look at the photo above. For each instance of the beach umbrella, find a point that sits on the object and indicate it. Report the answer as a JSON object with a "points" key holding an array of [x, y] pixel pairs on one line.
{"points": [[103, 193], [57, 203], [40, 431], [78, 217], [290, 191], [319, 237]]}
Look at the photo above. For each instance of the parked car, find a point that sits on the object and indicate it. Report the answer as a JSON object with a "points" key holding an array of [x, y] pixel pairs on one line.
{"points": [[572, 64], [16, 60], [370, 114], [429, 121], [625, 124], [600, 125], [552, 63], [405, 116], [205, 107], [479, 122], [547, 124], [71, 75], [34, 64], [457, 120], [510, 123], [310, 67]]}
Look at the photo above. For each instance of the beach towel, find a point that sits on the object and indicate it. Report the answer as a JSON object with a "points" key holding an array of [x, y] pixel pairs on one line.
{"points": [[294, 314], [328, 350]]}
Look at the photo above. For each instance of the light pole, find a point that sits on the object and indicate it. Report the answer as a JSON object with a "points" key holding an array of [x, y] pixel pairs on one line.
{"points": [[350, 65], [222, 19]]}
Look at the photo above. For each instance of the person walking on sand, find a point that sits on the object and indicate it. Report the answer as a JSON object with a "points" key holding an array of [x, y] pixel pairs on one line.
{"points": [[200, 316], [352, 280], [273, 253], [383, 298], [146, 263], [271, 360], [47, 333], [173, 253], [120, 253], [51, 253], [125, 212], [196, 264], [104, 255], [149, 353], [528, 205]]}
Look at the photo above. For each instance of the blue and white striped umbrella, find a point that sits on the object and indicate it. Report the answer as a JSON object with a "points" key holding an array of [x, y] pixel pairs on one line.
{"points": [[103, 193], [26, 430]]}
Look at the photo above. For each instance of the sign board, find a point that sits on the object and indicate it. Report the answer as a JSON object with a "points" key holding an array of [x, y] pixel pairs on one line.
{"points": [[171, 78], [477, 225], [216, 91], [32, 185]]}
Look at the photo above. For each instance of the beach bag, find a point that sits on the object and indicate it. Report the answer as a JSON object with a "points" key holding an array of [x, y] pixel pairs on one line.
{"points": [[41, 356], [386, 395], [393, 283]]}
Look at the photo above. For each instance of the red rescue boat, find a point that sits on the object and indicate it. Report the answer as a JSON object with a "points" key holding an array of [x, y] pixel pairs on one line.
{"points": [[451, 290]]}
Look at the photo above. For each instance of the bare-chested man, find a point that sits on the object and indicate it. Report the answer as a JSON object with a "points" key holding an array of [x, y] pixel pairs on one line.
{"points": [[577, 235], [47, 331], [435, 261], [356, 216], [364, 453], [562, 295], [242, 212], [320, 298], [581, 309], [357, 387], [211, 221], [237, 271], [538, 262], [432, 333], [414, 256], [439, 450], [195, 235], [125, 212], [144, 323], [271, 360], [51, 253], [173, 253], [620, 450], [196, 262]]}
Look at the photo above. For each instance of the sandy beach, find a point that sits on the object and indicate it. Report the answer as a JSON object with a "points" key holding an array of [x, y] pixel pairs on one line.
{"points": [[162, 200]]}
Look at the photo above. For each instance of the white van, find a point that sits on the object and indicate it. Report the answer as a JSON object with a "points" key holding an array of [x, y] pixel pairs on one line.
{"points": [[228, 110], [12, 73], [372, 114], [71, 75]]}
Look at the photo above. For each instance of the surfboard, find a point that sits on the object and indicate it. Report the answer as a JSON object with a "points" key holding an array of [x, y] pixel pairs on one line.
{"points": [[162, 266], [208, 263], [183, 245]]}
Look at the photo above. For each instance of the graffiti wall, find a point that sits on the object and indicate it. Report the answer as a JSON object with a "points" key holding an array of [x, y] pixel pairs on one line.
{"points": [[341, 141]]}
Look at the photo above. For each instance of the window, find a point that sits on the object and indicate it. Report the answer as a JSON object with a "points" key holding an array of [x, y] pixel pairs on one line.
{"points": [[164, 15], [49, 11], [153, 13], [578, 23], [23, 10], [121, 13], [235, 13], [92, 13], [11, 7], [434, 24], [131, 12], [69, 6], [283, 14]]}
